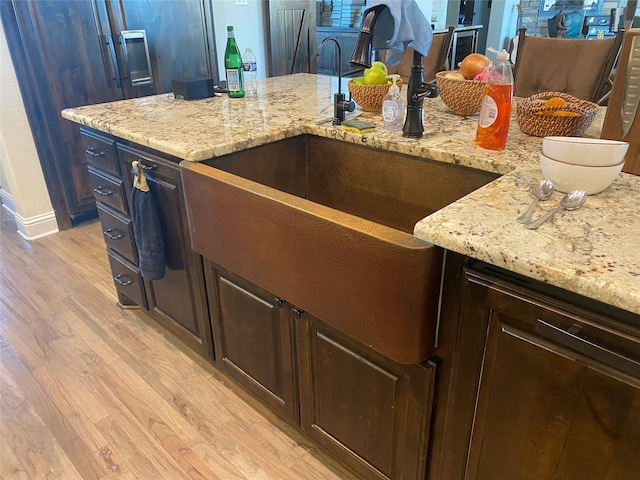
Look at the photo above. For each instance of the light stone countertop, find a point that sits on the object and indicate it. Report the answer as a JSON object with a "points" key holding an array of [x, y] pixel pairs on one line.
{"points": [[592, 251]]}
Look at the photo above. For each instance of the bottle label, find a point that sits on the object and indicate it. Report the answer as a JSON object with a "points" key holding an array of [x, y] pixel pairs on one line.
{"points": [[249, 66], [233, 80], [389, 110], [488, 112]]}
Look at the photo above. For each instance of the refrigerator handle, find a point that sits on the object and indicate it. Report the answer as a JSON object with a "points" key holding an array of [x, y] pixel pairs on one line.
{"points": [[112, 61]]}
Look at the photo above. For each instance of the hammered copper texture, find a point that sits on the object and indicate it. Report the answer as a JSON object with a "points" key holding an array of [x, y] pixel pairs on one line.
{"points": [[370, 282]]}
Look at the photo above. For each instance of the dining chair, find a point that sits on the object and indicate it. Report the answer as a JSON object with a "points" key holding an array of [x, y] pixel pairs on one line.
{"points": [[434, 62], [578, 67], [622, 120]]}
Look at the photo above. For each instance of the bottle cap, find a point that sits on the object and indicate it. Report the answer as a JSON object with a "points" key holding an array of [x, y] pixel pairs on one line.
{"points": [[503, 55], [229, 28], [393, 89]]}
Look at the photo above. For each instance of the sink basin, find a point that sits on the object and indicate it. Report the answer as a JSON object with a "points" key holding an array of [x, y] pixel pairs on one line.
{"points": [[327, 225]]}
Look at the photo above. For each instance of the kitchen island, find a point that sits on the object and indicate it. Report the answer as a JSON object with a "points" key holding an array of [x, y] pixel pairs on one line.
{"points": [[588, 254]]}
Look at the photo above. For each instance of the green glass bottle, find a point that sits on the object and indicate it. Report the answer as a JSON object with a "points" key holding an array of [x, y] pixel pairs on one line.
{"points": [[233, 66]]}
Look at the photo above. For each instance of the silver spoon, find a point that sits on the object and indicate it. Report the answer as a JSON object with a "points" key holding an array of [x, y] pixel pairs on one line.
{"points": [[541, 191], [571, 201]]}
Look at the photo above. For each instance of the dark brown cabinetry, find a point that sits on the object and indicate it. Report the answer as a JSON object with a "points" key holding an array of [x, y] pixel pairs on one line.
{"points": [[253, 337], [372, 413], [67, 54], [541, 387], [177, 300], [369, 412]]}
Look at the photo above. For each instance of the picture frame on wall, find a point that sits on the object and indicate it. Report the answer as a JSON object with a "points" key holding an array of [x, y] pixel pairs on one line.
{"points": [[549, 8]]}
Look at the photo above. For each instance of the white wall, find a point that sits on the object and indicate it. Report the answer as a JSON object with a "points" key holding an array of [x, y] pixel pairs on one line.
{"points": [[248, 25], [502, 25], [22, 187]]}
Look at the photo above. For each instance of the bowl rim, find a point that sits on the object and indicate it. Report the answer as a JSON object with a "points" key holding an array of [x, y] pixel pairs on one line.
{"points": [[542, 155], [584, 140], [442, 74]]}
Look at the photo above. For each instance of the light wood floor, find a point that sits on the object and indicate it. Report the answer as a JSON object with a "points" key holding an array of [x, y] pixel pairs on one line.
{"points": [[91, 391]]}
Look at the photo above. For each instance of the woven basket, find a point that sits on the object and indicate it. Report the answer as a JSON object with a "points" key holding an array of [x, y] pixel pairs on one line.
{"points": [[463, 97], [370, 97], [540, 121]]}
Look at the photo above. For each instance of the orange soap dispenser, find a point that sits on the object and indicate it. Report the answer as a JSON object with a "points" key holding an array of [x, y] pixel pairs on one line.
{"points": [[495, 112]]}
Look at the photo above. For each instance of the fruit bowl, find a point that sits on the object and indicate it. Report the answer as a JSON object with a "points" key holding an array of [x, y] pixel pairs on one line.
{"points": [[463, 97], [535, 117], [370, 97]]}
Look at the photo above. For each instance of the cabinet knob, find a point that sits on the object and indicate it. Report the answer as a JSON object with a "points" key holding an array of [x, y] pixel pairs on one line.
{"points": [[296, 312]]}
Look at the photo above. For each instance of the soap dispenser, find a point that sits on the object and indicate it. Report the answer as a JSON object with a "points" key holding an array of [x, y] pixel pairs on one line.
{"points": [[393, 106]]}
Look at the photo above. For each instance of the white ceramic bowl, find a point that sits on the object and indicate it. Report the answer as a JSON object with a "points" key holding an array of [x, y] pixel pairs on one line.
{"points": [[567, 177], [585, 151]]}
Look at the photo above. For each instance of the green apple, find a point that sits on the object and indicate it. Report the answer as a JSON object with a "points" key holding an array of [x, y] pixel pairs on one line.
{"points": [[374, 76], [380, 65], [358, 81]]}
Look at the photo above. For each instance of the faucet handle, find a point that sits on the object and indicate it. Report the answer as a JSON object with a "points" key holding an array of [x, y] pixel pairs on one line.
{"points": [[341, 106]]}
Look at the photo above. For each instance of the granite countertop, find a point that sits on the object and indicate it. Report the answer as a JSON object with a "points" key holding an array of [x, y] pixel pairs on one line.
{"points": [[592, 251]]}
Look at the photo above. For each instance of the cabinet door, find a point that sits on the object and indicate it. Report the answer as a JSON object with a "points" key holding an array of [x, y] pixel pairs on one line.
{"points": [[62, 61], [371, 413], [559, 392], [253, 339], [177, 300]]}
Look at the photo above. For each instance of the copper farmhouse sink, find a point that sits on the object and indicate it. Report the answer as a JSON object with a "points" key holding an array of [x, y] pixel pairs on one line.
{"points": [[327, 225]]}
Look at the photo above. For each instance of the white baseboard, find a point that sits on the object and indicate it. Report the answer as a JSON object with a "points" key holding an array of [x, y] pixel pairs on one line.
{"points": [[7, 201], [37, 227], [30, 228]]}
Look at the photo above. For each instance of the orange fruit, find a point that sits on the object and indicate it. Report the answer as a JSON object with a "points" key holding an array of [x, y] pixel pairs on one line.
{"points": [[560, 113], [554, 102]]}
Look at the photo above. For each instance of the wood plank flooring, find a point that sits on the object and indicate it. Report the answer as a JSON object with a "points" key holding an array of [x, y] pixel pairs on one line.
{"points": [[91, 391]]}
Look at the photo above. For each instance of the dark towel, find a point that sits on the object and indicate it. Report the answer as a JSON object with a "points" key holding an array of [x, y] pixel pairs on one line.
{"points": [[147, 232]]}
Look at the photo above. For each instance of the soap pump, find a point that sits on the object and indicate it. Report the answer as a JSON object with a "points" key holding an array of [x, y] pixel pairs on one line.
{"points": [[393, 106]]}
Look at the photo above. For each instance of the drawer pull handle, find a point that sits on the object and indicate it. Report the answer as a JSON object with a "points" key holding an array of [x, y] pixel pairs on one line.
{"points": [[144, 166], [123, 283], [571, 338], [113, 234], [103, 193], [93, 153]]}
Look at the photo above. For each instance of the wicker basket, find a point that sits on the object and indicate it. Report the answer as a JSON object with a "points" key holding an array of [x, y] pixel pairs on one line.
{"points": [[370, 97], [540, 121], [463, 97]]}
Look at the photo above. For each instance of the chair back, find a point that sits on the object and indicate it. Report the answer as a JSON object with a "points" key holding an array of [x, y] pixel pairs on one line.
{"points": [[434, 62], [622, 120], [578, 67]]}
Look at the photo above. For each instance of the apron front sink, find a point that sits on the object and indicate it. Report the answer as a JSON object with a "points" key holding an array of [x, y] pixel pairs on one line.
{"points": [[327, 225]]}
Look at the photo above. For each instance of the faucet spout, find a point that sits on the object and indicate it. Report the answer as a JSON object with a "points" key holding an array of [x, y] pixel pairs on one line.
{"points": [[361, 55], [340, 105]]}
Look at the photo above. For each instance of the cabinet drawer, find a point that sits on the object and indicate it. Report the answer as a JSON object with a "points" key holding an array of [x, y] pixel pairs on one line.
{"points": [[108, 190], [118, 233], [100, 152], [128, 280]]}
